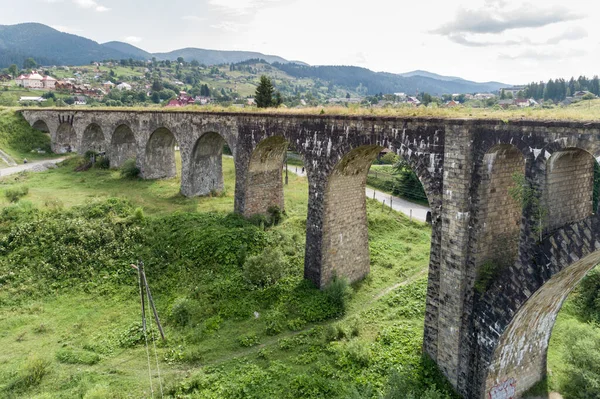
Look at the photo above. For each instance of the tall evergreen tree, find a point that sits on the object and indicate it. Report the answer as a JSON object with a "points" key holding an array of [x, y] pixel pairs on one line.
{"points": [[264, 93]]}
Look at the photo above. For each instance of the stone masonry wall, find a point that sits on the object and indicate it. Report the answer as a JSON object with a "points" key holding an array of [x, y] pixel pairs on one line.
{"points": [[499, 214], [569, 187], [92, 139], [265, 184], [345, 234]]}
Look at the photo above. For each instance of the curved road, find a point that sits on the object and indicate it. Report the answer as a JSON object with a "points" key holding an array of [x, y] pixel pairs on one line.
{"points": [[28, 166]]}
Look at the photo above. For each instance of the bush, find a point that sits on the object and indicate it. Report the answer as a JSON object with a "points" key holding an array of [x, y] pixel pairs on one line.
{"points": [[74, 356], [15, 194], [389, 159], [275, 323], [337, 291], [249, 340], [129, 169], [30, 374], [587, 298], [102, 163], [266, 268], [181, 312]]}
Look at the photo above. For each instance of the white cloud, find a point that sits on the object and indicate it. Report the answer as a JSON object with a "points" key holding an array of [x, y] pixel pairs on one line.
{"points": [[193, 18], [240, 6], [91, 4], [228, 26], [133, 39]]}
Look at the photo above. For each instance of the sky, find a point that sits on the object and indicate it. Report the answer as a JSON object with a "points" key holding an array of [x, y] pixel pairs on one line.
{"points": [[513, 42]]}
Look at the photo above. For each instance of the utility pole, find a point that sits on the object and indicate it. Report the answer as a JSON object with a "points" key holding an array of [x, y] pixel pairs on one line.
{"points": [[286, 168]]}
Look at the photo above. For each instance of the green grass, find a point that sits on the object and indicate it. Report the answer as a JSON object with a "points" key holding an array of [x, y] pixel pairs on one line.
{"points": [[18, 139]]}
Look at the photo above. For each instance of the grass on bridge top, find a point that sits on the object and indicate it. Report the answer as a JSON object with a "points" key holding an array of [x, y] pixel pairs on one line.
{"points": [[587, 110]]}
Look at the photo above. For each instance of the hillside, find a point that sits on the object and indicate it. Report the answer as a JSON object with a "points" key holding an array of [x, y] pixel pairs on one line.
{"points": [[216, 57], [49, 46], [383, 82]]}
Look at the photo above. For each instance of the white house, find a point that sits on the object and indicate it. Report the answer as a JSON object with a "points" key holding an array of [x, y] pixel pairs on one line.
{"points": [[26, 99], [36, 81], [123, 86]]}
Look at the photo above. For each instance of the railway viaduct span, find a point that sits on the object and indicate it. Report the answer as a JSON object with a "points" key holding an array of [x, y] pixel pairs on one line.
{"points": [[488, 336]]}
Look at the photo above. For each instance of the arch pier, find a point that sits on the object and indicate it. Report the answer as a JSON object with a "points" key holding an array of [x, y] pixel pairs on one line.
{"points": [[513, 226]]}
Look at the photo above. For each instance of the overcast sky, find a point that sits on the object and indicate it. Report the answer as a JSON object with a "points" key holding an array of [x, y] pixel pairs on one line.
{"points": [[509, 41]]}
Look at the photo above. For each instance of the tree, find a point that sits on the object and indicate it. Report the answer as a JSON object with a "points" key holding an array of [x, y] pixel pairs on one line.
{"points": [[29, 63], [264, 93], [157, 85], [13, 70]]}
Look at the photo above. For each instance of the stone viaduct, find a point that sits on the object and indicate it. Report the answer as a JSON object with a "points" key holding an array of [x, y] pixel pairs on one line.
{"points": [[489, 337]]}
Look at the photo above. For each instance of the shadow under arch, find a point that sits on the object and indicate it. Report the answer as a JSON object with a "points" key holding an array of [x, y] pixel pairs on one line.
{"points": [[92, 139], [159, 159], [66, 139], [122, 146], [264, 182], [206, 165], [41, 125], [345, 246]]}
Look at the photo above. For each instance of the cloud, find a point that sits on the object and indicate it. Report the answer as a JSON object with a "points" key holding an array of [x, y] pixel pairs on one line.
{"points": [[497, 20], [570, 34], [92, 4], [240, 7], [133, 39], [193, 18], [51, 1], [228, 26], [544, 55], [66, 29], [575, 33]]}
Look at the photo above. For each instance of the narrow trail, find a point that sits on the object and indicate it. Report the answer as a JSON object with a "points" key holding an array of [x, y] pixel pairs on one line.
{"points": [[273, 340]]}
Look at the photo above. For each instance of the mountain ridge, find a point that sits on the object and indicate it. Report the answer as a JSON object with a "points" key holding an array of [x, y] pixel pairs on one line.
{"points": [[49, 46]]}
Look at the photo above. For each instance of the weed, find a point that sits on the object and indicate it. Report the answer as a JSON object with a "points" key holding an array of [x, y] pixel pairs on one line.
{"points": [[75, 356], [129, 169], [15, 194]]}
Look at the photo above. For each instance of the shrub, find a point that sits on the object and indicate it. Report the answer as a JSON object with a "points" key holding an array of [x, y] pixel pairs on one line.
{"points": [[129, 169], [389, 159], [266, 268], [181, 312], [249, 340], [30, 374], [337, 291], [275, 323], [74, 356], [588, 297], [102, 163], [275, 215], [16, 193]]}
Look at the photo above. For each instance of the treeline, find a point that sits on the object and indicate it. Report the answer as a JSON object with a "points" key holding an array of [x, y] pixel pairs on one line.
{"points": [[559, 89]]}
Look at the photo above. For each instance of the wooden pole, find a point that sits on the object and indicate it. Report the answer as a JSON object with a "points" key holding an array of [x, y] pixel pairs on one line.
{"points": [[143, 302], [382, 205], [160, 329]]}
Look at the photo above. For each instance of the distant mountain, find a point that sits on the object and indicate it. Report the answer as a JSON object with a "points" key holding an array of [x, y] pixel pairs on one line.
{"points": [[127, 48], [427, 74], [49, 46], [214, 57], [382, 82]]}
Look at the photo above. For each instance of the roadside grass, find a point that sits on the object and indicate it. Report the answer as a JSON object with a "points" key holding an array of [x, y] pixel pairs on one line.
{"points": [[17, 138]]}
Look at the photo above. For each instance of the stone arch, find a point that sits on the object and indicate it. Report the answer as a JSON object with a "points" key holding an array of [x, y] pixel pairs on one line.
{"points": [[568, 187], [498, 218], [520, 355], [160, 155], [264, 182], [41, 125], [123, 146], [66, 139], [206, 165], [92, 139], [345, 247]]}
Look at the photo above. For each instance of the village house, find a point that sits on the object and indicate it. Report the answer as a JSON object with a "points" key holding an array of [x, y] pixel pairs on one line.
{"points": [[108, 85], [36, 81], [31, 99], [124, 86], [452, 104], [181, 101]]}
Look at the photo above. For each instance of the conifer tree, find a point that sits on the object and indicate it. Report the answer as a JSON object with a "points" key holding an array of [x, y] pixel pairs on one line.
{"points": [[264, 93]]}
